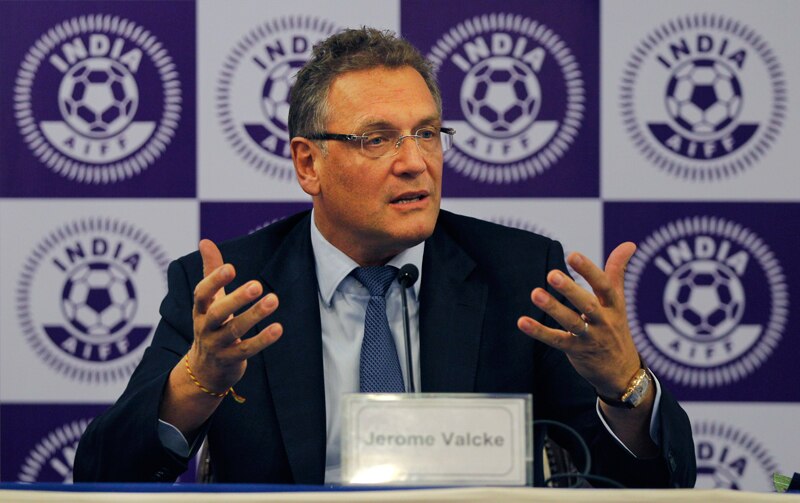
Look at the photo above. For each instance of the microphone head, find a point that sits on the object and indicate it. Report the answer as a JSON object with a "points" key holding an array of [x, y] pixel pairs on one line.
{"points": [[408, 275]]}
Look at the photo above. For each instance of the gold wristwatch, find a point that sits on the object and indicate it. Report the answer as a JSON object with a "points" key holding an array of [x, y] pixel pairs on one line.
{"points": [[635, 392]]}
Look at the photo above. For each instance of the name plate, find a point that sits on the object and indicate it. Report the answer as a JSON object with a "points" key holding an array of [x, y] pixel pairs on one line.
{"points": [[437, 439]]}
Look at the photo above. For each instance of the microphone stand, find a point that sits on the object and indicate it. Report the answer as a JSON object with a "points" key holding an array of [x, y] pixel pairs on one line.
{"points": [[407, 333], [407, 276]]}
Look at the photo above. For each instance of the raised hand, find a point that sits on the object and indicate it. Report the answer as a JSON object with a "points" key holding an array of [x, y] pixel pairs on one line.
{"points": [[597, 339], [218, 356]]}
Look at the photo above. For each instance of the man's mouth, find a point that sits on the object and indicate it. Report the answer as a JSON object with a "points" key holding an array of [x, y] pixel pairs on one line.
{"points": [[409, 198]]}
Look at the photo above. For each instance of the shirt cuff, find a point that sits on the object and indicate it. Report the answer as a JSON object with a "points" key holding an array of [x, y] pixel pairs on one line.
{"points": [[655, 425], [172, 438]]}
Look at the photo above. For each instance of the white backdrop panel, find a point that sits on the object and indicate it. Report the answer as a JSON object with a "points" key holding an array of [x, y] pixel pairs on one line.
{"points": [[626, 173], [87, 277], [242, 151]]}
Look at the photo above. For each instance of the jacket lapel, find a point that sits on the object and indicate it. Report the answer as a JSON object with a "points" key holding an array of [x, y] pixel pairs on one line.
{"points": [[294, 363], [452, 307]]}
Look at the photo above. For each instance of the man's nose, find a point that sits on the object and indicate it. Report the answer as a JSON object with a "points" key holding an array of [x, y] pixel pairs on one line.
{"points": [[409, 158]]}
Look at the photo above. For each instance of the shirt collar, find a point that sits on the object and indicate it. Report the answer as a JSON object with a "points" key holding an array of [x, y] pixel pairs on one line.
{"points": [[333, 265]]}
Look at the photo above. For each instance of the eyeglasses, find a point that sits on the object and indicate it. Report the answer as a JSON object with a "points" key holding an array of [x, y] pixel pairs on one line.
{"points": [[386, 142]]}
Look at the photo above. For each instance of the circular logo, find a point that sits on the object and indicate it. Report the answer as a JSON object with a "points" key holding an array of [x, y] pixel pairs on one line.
{"points": [[703, 97], [52, 459], [730, 459], [97, 99], [521, 94], [87, 297], [707, 301], [253, 89]]}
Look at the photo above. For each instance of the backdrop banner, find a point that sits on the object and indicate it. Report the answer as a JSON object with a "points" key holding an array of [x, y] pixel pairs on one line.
{"points": [[129, 130]]}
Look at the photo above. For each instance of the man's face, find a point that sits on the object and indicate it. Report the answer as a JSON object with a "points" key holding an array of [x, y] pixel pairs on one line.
{"points": [[371, 209]]}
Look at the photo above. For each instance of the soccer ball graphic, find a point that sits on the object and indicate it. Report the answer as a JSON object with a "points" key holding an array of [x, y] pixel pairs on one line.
{"points": [[704, 97], [98, 97], [275, 95], [98, 299], [704, 299], [501, 97]]}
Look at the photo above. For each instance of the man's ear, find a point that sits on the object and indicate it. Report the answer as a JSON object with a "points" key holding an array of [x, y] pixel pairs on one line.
{"points": [[306, 155]]}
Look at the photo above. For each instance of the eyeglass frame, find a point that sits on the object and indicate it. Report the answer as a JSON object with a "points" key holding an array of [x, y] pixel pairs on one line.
{"points": [[363, 136]]}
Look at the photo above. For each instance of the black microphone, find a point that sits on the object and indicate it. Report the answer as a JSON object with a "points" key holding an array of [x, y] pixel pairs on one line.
{"points": [[407, 276]]}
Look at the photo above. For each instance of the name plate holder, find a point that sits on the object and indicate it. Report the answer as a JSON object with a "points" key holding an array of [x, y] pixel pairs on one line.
{"points": [[429, 439]]}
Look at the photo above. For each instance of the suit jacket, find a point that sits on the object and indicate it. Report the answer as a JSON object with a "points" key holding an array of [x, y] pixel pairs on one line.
{"points": [[476, 282]]}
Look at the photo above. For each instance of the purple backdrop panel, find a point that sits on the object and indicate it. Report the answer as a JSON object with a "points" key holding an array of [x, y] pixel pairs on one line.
{"points": [[39, 441], [520, 84], [223, 221], [710, 295], [97, 99]]}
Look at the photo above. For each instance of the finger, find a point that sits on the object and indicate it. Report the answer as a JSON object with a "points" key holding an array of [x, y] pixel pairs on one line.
{"points": [[584, 301], [556, 338], [221, 310], [235, 328], [566, 317], [247, 348], [596, 277], [617, 263], [206, 290], [212, 258], [215, 276]]}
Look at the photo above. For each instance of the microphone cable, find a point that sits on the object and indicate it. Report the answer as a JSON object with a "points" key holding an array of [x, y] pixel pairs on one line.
{"points": [[581, 474]]}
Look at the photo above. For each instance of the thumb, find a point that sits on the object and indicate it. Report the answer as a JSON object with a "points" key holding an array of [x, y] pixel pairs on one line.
{"points": [[212, 258]]}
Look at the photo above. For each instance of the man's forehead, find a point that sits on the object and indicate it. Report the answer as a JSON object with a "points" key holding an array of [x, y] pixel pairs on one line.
{"points": [[365, 97], [371, 121]]}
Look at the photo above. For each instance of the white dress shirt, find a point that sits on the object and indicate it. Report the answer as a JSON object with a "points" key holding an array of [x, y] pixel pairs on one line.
{"points": [[342, 308]]}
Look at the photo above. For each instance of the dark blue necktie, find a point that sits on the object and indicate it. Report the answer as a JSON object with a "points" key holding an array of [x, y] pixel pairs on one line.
{"points": [[379, 371]]}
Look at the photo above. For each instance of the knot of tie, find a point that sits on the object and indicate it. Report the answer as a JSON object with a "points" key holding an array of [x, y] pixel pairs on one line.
{"points": [[376, 279]]}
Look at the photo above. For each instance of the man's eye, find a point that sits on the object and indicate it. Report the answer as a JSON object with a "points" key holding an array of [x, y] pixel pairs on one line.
{"points": [[426, 134], [376, 141]]}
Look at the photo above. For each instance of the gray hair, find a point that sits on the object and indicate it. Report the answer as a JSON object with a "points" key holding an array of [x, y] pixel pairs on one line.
{"points": [[347, 51]]}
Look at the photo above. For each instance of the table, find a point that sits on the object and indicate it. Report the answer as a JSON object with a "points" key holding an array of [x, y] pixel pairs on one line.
{"points": [[235, 493]]}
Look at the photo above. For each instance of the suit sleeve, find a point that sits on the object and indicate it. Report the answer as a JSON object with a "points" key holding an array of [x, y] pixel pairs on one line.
{"points": [[122, 444], [569, 398]]}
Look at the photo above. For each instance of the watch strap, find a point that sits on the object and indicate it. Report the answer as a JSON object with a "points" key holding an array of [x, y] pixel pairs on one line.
{"points": [[634, 393]]}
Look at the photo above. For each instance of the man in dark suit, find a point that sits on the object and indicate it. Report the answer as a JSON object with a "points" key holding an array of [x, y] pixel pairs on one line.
{"points": [[376, 201]]}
